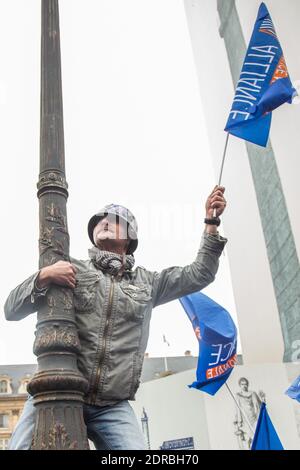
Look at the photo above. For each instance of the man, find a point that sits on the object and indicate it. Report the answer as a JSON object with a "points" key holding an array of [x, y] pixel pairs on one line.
{"points": [[113, 305]]}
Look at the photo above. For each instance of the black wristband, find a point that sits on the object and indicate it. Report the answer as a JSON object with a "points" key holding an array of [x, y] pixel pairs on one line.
{"points": [[213, 221]]}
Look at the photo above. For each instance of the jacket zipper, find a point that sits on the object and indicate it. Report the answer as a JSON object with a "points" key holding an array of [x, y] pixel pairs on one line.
{"points": [[102, 352]]}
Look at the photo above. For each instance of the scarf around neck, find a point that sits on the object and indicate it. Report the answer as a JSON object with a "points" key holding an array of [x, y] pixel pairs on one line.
{"points": [[110, 262]]}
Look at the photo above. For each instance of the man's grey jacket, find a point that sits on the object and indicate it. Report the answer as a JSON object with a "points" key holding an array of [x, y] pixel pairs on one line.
{"points": [[113, 316]]}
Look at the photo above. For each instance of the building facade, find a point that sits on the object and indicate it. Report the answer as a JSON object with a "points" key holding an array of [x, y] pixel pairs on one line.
{"points": [[179, 414], [13, 394], [173, 416]]}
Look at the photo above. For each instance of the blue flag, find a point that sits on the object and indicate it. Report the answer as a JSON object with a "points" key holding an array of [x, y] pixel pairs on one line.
{"points": [[217, 336], [294, 390], [265, 437], [264, 84]]}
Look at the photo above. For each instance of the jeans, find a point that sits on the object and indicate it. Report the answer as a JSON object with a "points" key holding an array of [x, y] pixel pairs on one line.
{"points": [[109, 427]]}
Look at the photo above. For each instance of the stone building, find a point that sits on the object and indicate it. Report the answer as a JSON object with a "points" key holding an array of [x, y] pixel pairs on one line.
{"points": [[13, 394]]}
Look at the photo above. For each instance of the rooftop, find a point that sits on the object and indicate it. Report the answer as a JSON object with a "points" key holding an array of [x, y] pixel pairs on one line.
{"points": [[153, 368], [17, 372]]}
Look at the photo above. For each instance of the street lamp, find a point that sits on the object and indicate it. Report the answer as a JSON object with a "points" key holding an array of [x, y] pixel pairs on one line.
{"points": [[58, 387]]}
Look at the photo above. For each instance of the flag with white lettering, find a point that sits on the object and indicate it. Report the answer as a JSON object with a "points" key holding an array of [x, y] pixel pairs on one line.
{"points": [[263, 86], [217, 336], [294, 389]]}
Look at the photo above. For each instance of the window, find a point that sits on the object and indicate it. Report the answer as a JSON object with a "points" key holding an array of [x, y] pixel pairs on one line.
{"points": [[3, 421], [4, 444], [3, 386], [23, 384]]}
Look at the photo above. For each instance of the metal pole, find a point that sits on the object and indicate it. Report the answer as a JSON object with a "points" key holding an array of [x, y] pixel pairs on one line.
{"points": [[145, 427], [223, 159], [165, 358], [222, 166], [58, 387], [239, 408]]}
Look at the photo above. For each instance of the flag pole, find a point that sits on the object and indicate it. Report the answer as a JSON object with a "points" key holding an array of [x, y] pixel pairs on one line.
{"points": [[223, 159], [165, 358], [222, 166], [239, 408]]}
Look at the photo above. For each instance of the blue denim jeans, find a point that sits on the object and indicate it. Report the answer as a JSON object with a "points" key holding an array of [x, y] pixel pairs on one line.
{"points": [[109, 427]]}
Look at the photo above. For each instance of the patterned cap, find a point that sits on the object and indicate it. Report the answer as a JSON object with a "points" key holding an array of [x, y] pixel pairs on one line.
{"points": [[124, 214]]}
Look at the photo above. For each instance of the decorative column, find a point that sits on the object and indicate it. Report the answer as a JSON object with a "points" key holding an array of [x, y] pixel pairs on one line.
{"points": [[58, 387]]}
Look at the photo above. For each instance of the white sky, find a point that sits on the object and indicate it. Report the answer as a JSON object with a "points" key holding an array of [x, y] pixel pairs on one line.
{"points": [[134, 135]]}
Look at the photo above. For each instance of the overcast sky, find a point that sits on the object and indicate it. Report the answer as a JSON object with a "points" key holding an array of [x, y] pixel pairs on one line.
{"points": [[134, 134]]}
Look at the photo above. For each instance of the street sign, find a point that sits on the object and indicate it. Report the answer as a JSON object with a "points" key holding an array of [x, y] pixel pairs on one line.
{"points": [[179, 444]]}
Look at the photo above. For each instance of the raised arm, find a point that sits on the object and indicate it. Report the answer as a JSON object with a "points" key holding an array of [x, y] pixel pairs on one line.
{"points": [[174, 282]]}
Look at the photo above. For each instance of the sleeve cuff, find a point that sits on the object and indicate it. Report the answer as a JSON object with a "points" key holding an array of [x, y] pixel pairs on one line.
{"points": [[213, 242], [37, 292], [214, 238]]}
